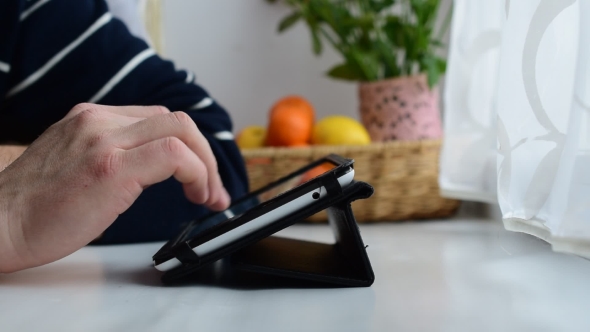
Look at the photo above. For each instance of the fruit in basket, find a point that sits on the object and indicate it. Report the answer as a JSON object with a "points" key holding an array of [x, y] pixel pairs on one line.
{"points": [[316, 171], [293, 101], [251, 137], [290, 122], [339, 130]]}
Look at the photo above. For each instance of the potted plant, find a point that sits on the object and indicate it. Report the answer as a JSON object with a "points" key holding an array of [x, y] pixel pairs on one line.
{"points": [[390, 48]]}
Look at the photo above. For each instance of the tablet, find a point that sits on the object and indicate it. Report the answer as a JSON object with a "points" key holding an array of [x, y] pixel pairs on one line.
{"points": [[257, 211]]}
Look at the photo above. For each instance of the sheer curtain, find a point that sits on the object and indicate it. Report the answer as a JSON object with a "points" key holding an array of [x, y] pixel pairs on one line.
{"points": [[517, 125]]}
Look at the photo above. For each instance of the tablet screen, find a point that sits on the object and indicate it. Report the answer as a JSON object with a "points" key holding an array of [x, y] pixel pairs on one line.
{"points": [[257, 198]]}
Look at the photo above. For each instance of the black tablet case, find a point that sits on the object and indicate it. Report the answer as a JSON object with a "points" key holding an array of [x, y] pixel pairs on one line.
{"points": [[344, 263]]}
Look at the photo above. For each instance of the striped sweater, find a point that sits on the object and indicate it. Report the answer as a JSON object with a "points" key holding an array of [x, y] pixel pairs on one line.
{"points": [[55, 54]]}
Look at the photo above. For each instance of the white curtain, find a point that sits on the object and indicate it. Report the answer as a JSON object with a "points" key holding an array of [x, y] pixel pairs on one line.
{"points": [[517, 115]]}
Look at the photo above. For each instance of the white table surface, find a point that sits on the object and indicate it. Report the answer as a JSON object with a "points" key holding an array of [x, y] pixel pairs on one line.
{"points": [[460, 275]]}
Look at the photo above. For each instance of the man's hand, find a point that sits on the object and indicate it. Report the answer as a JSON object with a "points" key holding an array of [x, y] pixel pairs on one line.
{"points": [[9, 153], [85, 170]]}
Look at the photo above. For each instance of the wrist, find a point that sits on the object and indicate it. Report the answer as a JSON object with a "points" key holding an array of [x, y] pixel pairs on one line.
{"points": [[10, 258]]}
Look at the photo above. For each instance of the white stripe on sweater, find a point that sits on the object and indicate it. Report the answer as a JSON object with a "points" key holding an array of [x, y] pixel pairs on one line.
{"points": [[205, 102], [4, 67], [33, 8], [224, 136], [34, 77], [123, 72], [189, 77]]}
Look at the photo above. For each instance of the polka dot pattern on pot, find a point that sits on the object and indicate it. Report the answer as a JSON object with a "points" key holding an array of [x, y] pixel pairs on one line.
{"points": [[400, 109]]}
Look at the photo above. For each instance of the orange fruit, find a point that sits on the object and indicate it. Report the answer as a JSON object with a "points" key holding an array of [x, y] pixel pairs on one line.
{"points": [[294, 102], [290, 122], [316, 171]]}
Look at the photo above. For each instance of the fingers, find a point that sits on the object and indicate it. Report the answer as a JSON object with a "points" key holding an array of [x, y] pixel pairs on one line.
{"points": [[138, 111], [133, 111], [94, 120], [180, 125], [220, 204], [124, 121], [135, 126], [157, 160]]}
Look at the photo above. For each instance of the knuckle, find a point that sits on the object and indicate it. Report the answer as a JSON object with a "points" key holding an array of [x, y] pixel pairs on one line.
{"points": [[173, 145], [107, 165], [182, 119], [96, 139], [82, 107], [162, 109], [86, 117]]}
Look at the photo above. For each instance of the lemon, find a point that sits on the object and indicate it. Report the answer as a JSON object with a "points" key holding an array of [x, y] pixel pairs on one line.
{"points": [[339, 130], [251, 137]]}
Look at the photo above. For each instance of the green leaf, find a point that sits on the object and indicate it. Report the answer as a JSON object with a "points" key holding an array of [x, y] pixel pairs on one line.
{"points": [[365, 22], [433, 76], [368, 63], [334, 15], [315, 37], [442, 65], [317, 43], [432, 71], [289, 21], [364, 42], [437, 43], [345, 71], [387, 52], [375, 41], [379, 5], [395, 31]]}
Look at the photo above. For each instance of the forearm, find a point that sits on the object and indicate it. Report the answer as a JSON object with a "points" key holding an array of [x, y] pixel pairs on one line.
{"points": [[9, 153]]}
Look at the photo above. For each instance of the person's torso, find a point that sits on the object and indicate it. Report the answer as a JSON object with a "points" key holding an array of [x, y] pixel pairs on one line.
{"points": [[56, 54]]}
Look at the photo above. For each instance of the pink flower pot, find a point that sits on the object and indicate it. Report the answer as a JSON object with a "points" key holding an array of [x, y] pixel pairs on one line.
{"points": [[401, 108]]}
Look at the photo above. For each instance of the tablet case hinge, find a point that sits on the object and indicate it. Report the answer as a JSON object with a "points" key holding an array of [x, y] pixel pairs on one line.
{"points": [[186, 255], [332, 185]]}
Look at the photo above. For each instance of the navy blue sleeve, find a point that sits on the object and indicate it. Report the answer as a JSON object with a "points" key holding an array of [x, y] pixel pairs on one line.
{"points": [[56, 54]]}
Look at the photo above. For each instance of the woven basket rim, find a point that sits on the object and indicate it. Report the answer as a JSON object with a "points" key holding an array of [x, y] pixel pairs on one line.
{"points": [[405, 172], [277, 152]]}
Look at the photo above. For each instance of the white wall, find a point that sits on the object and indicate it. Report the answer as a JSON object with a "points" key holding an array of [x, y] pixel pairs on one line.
{"points": [[237, 55]]}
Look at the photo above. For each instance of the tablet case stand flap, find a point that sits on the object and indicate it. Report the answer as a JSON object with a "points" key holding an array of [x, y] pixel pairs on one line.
{"points": [[344, 263]]}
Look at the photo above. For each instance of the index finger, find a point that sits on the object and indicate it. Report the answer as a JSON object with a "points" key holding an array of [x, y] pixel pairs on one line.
{"points": [[132, 111], [179, 125]]}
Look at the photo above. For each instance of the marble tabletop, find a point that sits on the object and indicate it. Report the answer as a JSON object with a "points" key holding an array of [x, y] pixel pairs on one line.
{"points": [[466, 274]]}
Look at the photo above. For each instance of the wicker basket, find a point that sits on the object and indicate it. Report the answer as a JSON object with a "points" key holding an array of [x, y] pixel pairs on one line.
{"points": [[404, 174]]}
